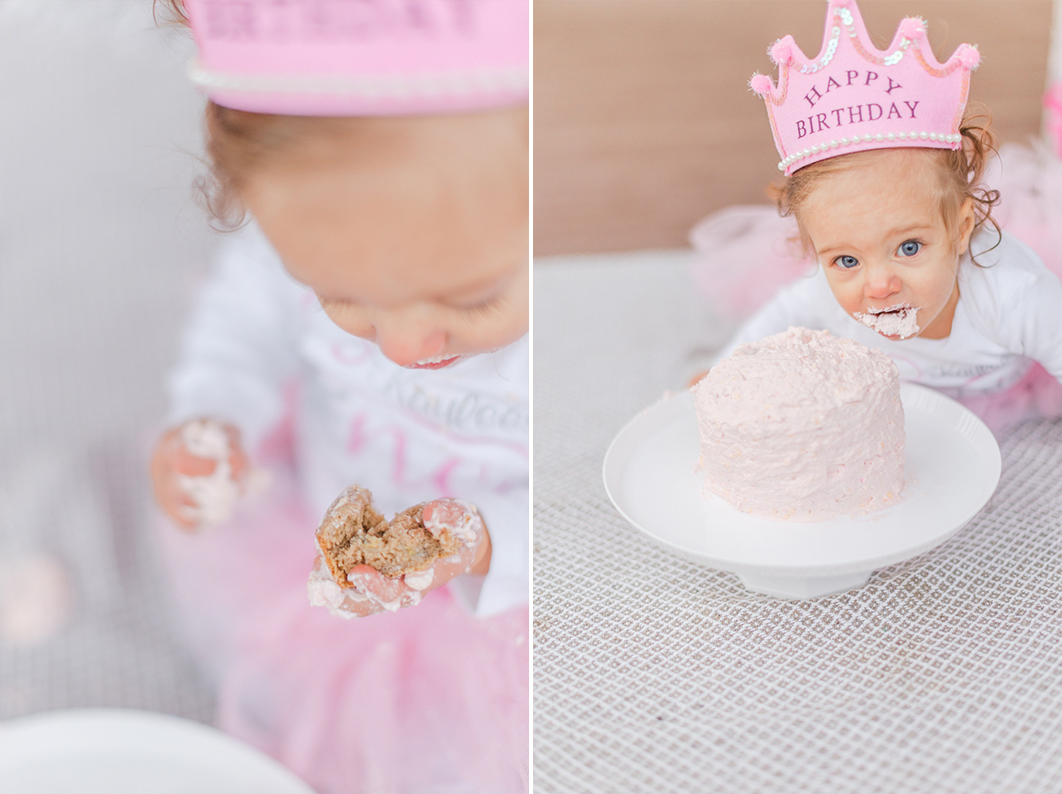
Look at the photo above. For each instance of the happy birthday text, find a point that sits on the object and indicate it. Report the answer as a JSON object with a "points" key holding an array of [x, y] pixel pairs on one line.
{"points": [[856, 113]]}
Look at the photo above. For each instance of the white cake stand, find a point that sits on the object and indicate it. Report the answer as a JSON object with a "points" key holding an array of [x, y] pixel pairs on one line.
{"points": [[953, 466], [125, 751]]}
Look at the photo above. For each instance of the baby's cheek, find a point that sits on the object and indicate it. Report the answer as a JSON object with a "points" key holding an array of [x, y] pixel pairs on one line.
{"points": [[499, 332], [353, 322], [847, 294]]}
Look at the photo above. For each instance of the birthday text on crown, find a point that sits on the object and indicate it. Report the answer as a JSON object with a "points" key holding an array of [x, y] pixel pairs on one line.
{"points": [[856, 113]]}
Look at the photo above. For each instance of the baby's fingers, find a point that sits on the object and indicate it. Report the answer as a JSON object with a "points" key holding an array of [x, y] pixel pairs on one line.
{"points": [[463, 521], [178, 506], [238, 460], [697, 378], [446, 568], [460, 518], [187, 464], [388, 593], [345, 602], [166, 482], [372, 592]]}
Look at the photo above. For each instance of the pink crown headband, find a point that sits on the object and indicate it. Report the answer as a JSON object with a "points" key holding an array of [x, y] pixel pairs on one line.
{"points": [[853, 97], [361, 57]]}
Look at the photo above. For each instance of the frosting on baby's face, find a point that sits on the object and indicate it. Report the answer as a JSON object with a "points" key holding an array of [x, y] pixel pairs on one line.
{"points": [[412, 232], [879, 235]]}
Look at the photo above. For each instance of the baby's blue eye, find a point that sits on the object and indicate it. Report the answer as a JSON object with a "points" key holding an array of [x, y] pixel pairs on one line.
{"points": [[910, 248], [847, 262]]}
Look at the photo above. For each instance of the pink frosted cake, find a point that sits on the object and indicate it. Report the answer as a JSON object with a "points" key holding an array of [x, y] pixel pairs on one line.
{"points": [[803, 426]]}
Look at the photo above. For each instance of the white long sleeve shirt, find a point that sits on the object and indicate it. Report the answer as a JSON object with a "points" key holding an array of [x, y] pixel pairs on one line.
{"points": [[1009, 313], [407, 435]]}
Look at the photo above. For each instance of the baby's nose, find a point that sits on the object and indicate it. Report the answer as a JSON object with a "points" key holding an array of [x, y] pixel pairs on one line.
{"points": [[408, 345], [881, 282]]}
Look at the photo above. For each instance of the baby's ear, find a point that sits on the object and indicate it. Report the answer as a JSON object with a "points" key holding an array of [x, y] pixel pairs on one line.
{"points": [[967, 221]]}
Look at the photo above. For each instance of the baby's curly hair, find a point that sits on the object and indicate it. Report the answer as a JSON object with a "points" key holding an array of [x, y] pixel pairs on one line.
{"points": [[237, 140], [960, 173]]}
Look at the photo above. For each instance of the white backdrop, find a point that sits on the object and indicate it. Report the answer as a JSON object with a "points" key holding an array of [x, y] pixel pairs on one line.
{"points": [[101, 242]]}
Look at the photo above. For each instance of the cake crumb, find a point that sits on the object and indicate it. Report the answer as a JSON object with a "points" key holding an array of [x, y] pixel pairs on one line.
{"points": [[353, 533]]}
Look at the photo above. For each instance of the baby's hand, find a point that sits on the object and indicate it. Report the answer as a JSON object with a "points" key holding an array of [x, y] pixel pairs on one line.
{"points": [[373, 592], [198, 471], [697, 379]]}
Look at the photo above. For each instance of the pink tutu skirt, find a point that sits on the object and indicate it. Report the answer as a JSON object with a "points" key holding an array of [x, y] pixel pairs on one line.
{"points": [[744, 254], [1036, 396], [426, 699]]}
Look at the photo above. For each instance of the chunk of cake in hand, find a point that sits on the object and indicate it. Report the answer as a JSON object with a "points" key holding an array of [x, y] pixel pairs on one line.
{"points": [[803, 426], [368, 564]]}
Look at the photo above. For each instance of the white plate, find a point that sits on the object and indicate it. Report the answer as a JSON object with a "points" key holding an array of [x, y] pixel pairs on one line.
{"points": [[953, 466], [117, 751]]}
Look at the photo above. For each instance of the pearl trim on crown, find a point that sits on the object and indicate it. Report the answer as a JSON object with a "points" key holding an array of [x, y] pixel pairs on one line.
{"points": [[858, 139], [459, 83]]}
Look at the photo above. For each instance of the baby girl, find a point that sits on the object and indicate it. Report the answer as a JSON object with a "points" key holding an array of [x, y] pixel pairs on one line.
{"points": [[883, 176], [366, 326]]}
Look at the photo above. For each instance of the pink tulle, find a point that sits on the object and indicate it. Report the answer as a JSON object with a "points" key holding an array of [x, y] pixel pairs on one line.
{"points": [[1029, 181], [743, 254], [1052, 102], [426, 699], [1036, 396]]}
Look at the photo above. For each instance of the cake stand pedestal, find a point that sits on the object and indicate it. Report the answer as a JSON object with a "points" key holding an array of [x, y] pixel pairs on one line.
{"points": [[803, 586]]}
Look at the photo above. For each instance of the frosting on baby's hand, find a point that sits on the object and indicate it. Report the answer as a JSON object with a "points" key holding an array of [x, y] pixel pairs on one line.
{"points": [[460, 518], [419, 580], [344, 602], [214, 495], [389, 594]]}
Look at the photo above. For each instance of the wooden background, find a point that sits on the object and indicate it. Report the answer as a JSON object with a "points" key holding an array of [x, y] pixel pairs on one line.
{"points": [[644, 122]]}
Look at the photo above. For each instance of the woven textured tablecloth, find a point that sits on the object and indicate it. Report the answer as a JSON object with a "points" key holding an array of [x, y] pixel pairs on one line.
{"points": [[653, 674]]}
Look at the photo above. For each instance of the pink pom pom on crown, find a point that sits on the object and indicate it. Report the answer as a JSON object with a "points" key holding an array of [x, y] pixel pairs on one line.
{"points": [[970, 56], [781, 52], [912, 28], [761, 84]]}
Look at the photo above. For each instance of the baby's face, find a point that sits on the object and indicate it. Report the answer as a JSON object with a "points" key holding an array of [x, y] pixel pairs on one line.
{"points": [[880, 238], [413, 232]]}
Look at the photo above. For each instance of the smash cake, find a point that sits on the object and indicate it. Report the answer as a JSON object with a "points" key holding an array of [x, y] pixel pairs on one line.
{"points": [[354, 533], [404, 549], [802, 426]]}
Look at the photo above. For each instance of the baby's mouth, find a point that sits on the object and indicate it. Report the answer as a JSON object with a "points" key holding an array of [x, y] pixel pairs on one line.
{"points": [[438, 362], [899, 321]]}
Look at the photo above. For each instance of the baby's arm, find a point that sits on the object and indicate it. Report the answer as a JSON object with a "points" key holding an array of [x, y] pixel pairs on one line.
{"points": [[506, 582], [1039, 312], [238, 351]]}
